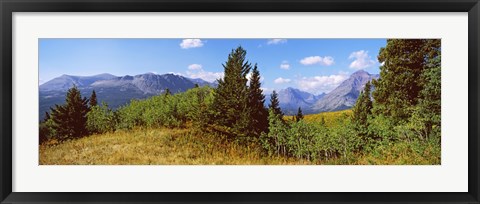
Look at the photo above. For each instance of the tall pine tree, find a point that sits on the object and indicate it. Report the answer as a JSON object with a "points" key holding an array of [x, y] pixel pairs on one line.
{"points": [[167, 92], [427, 115], [398, 88], [299, 115], [258, 112], [71, 118], [361, 111], [231, 95], [275, 105]]}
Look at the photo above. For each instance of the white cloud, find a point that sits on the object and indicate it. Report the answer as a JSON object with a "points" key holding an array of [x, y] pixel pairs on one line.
{"points": [[195, 67], [285, 65], [320, 84], [362, 60], [205, 75], [281, 80], [325, 61], [196, 71], [266, 90], [276, 41], [191, 43]]}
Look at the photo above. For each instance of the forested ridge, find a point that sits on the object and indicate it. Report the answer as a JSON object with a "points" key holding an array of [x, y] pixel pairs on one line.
{"points": [[396, 119]]}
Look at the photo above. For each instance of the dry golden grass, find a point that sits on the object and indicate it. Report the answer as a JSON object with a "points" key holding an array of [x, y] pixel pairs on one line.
{"points": [[155, 147], [329, 117]]}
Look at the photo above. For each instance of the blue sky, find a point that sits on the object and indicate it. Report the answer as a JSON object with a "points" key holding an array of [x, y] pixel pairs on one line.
{"points": [[313, 65]]}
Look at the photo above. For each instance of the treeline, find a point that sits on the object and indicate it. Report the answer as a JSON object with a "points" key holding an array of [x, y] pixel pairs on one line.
{"points": [[398, 112]]}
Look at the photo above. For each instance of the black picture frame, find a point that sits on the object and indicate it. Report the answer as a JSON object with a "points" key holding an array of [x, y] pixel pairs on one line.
{"points": [[7, 7]]}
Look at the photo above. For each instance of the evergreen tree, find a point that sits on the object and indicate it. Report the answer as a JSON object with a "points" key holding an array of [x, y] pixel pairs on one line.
{"points": [[201, 111], [231, 95], [167, 92], [47, 117], [398, 88], [361, 111], [275, 105], [258, 112], [71, 118], [93, 99], [299, 115], [196, 85], [428, 112]]}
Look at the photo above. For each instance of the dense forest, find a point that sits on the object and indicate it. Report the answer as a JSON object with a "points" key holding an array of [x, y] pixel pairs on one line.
{"points": [[396, 119]]}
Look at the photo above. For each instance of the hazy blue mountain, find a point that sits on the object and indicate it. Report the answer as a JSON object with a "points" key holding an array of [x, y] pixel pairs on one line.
{"points": [[148, 83], [65, 82], [202, 82], [116, 91], [346, 94], [290, 99]]}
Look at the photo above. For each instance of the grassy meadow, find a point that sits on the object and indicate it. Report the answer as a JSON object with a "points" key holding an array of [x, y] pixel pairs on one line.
{"points": [[187, 146]]}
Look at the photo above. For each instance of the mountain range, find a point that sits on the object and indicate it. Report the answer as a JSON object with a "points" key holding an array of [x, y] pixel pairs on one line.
{"points": [[342, 97], [118, 91], [115, 91]]}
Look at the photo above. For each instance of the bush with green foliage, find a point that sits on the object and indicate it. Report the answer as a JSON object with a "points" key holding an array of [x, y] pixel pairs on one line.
{"points": [[47, 130], [311, 141], [167, 110], [101, 119]]}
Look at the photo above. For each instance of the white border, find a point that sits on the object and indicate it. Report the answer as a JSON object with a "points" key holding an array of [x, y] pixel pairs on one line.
{"points": [[451, 176]]}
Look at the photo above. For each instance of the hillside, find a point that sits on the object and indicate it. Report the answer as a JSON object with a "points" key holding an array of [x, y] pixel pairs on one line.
{"points": [[186, 146], [160, 146]]}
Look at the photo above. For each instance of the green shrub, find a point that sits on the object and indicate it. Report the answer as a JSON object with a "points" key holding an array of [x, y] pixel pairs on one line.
{"points": [[101, 119], [47, 130], [166, 110]]}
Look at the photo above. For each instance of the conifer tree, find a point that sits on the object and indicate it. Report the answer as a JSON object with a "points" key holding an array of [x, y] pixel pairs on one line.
{"points": [[361, 111], [299, 115], [363, 105], [275, 105], [427, 114], [258, 112], [47, 117], [71, 118], [231, 95], [167, 92], [93, 99], [398, 88]]}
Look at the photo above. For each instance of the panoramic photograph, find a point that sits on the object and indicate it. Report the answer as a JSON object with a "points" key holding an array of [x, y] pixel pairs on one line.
{"points": [[239, 101]]}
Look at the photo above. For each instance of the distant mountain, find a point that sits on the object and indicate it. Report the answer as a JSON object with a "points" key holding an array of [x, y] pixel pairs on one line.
{"points": [[148, 83], [64, 82], [202, 82], [116, 91], [346, 94], [290, 99]]}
